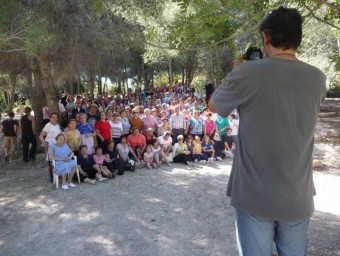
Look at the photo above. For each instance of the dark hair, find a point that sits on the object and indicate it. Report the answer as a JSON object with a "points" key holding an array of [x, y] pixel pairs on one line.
{"points": [[81, 147], [283, 27], [71, 120], [11, 114], [53, 113], [229, 129], [27, 110], [96, 148]]}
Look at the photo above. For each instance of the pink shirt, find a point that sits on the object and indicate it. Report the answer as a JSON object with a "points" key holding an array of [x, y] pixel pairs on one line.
{"points": [[45, 113], [209, 126], [149, 122], [99, 159]]}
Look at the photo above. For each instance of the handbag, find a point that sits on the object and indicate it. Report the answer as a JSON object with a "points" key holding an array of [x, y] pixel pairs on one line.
{"points": [[217, 137]]}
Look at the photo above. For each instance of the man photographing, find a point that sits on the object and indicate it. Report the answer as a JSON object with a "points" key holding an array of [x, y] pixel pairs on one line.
{"points": [[278, 100]]}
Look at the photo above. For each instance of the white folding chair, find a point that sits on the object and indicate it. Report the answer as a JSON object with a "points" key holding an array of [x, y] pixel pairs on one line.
{"points": [[56, 176]]}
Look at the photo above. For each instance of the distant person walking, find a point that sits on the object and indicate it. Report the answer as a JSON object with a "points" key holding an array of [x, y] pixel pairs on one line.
{"points": [[9, 128], [28, 128]]}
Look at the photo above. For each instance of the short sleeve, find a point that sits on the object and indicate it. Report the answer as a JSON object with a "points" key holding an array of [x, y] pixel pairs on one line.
{"points": [[227, 97]]}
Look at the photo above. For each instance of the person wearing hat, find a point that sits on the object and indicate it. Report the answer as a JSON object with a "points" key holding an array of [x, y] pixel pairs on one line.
{"points": [[135, 121], [93, 112], [164, 127]]}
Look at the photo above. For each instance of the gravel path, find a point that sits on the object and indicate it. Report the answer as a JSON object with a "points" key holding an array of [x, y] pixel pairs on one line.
{"points": [[174, 211]]}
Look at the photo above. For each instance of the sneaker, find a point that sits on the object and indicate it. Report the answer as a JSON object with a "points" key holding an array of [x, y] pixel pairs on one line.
{"points": [[169, 164], [102, 179], [111, 176], [219, 159], [64, 187], [210, 160], [71, 185], [196, 161], [203, 161], [93, 182]]}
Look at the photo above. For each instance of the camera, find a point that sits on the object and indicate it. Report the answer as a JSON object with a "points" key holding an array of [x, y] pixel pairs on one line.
{"points": [[253, 53]]}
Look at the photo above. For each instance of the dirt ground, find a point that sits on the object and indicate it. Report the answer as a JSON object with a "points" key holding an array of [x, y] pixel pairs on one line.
{"points": [[168, 212]]}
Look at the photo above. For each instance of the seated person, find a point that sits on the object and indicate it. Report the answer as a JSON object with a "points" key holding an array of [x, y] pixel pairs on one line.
{"points": [[197, 153], [64, 164], [136, 139], [228, 151], [148, 158], [208, 148], [88, 169], [100, 159], [180, 152], [165, 142], [115, 162]]}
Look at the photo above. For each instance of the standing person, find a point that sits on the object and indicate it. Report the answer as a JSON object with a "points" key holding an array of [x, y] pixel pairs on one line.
{"points": [[271, 186], [103, 130], [125, 122], [72, 136], [9, 128], [196, 125], [149, 121], [234, 126], [116, 129], [209, 89], [28, 128], [135, 121], [177, 125], [47, 137], [87, 133]]}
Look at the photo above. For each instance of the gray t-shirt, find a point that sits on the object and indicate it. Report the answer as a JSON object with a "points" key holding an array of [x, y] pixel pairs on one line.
{"points": [[278, 102]]}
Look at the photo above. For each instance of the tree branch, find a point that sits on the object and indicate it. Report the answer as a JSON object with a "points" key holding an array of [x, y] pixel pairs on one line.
{"points": [[311, 13]]}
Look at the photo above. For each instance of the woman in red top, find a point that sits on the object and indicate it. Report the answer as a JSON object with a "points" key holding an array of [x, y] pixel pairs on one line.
{"points": [[103, 130]]}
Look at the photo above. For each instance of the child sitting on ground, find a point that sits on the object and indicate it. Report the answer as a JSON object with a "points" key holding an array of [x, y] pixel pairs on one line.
{"points": [[157, 153], [208, 148], [149, 158], [99, 158], [197, 153]]}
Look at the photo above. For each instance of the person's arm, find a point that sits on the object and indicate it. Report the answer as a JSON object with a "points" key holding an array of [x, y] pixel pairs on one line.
{"points": [[34, 123], [98, 134], [81, 171], [133, 153], [107, 158], [41, 137], [120, 154]]}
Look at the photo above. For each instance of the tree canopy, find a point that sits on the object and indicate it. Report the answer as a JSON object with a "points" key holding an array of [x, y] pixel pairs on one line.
{"points": [[49, 45]]}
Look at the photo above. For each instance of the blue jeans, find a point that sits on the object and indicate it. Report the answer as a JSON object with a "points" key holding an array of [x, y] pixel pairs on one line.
{"points": [[255, 236]]}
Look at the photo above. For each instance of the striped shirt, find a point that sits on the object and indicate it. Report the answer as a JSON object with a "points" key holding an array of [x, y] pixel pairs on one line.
{"points": [[117, 129], [126, 125], [177, 121]]}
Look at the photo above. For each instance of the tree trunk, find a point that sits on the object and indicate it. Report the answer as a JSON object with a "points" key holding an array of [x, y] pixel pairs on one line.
{"points": [[12, 86], [37, 96], [170, 72], [91, 84], [183, 76], [100, 85], [48, 85]]}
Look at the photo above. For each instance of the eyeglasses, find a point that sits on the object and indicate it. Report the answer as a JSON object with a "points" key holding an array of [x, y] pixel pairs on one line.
{"points": [[180, 139]]}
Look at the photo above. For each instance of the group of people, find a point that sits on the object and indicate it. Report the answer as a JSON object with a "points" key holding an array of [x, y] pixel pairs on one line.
{"points": [[108, 136]]}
